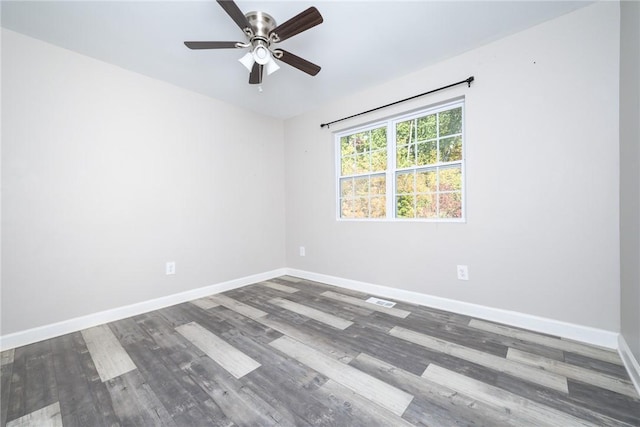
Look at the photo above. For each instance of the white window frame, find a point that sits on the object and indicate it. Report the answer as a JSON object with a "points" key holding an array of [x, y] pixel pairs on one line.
{"points": [[392, 170]]}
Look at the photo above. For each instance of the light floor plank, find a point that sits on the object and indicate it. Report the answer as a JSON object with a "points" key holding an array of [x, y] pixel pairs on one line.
{"points": [[231, 359], [290, 279], [526, 411], [49, 416], [396, 312], [280, 287], [312, 313], [596, 353], [578, 373], [205, 303], [110, 358], [315, 341], [367, 386], [237, 306], [363, 411], [500, 364], [6, 357]]}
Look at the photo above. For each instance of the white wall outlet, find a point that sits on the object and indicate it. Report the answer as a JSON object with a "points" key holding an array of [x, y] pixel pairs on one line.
{"points": [[170, 268], [302, 251], [463, 272]]}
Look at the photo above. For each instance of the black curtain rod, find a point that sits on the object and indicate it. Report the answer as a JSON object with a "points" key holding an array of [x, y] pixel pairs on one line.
{"points": [[467, 81]]}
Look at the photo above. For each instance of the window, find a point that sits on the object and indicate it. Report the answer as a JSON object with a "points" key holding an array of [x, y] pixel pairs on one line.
{"points": [[409, 167]]}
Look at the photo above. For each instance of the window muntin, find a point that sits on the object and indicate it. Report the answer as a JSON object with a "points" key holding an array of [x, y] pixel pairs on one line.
{"points": [[422, 158]]}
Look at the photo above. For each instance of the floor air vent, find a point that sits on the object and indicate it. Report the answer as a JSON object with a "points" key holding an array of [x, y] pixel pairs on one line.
{"points": [[381, 302]]}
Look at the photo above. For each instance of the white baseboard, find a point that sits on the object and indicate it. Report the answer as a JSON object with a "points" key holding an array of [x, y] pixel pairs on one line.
{"points": [[29, 336], [599, 337], [630, 362]]}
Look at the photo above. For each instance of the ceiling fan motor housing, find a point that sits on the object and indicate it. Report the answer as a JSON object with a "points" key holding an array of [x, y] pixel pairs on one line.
{"points": [[261, 25]]}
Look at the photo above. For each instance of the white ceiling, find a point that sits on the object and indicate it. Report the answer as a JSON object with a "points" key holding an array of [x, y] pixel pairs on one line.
{"points": [[359, 45]]}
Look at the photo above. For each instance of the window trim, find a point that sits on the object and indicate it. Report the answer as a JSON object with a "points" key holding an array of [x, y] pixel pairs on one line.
{"points": [[390, 173]]}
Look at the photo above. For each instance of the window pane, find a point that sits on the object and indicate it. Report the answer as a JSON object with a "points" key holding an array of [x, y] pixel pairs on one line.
{"points": [[404, 183], [379, 139], [427, 153], [427, 127], [426, 206], [345, 147], [450, 178], [451, 149], [348, 165], [404, 206], [362, 163], [346, 208], [346, 187], [378, 161], [451, 205], [378, 185], [426, 182], [451, 122], [405, 132], [378, 207], [361, 142], [405, 156], [361, 207], [362, 186]]}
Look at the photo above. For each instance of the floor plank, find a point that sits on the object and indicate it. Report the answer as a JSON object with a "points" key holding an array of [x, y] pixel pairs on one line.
{"points": [[396, 312], [110, 358], [47, 416], [367, 386], [553, 342], [279, 287], [234, 361], [526, 372], [312, 313], [526, 412], [574, 372]]}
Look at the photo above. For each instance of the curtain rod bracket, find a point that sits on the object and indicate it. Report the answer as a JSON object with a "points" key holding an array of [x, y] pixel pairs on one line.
{"points": [[467, 81]]}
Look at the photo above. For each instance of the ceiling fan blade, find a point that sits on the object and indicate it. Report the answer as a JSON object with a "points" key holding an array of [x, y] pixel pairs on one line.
{"points": [[299, 23], [211, 45], [235, 13], [255, 78], [299, 63]]}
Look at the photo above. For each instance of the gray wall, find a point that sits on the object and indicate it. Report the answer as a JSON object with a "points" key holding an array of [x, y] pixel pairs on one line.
{"points": [[542, 233], [629, 174], [107, 174]]}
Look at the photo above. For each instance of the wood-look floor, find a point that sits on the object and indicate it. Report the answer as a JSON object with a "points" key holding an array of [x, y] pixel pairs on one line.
{"points": [[289, 352]]}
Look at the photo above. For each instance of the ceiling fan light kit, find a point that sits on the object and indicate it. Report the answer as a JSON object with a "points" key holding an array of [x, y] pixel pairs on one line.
{"points": [[262, 34]]}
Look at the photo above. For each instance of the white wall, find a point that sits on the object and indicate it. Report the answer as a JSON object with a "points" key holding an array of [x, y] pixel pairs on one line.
{"points": [[542, 235], [630, 174], [107, 174]]}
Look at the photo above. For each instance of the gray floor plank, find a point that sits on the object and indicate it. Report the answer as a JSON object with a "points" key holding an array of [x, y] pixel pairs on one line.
{"points": [[135, 403], [280, 287], [77, 404], [6, 372], [396, 312]]}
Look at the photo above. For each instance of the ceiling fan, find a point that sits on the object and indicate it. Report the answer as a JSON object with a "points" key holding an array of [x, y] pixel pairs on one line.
{"points": [[262, 33]]}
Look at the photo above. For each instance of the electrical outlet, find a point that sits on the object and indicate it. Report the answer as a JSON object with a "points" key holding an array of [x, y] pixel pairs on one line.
{"points": [[170, 268], [302, 251], [463, 272]]}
